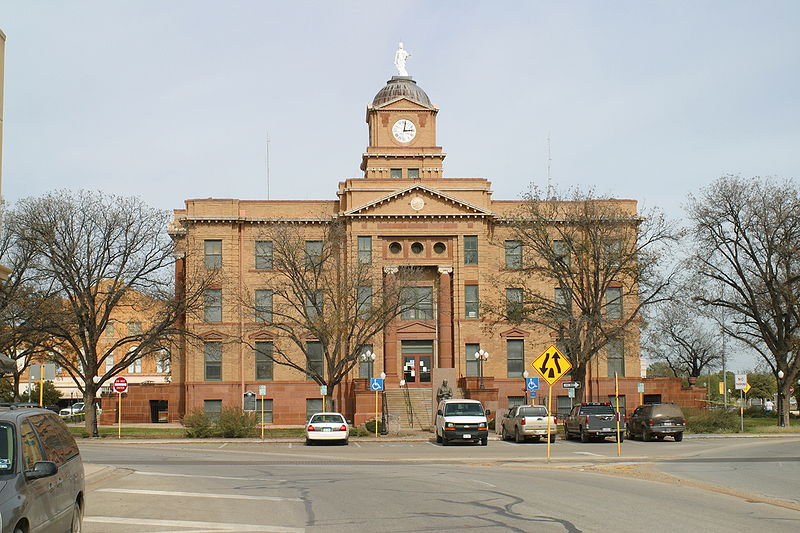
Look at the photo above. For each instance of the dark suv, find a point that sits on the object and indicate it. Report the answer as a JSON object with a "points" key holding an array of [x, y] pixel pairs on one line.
{"points": [[656, 420], [41, 473]]}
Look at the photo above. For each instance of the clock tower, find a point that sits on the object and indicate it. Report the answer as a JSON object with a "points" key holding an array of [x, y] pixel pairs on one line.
{"points": [[402, 134]]}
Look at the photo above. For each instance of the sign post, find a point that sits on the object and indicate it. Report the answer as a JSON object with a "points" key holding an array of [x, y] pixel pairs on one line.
{"points": [[376, 384], [531, 386], [740, 381], [120, 387], [323, 391], [262, 391], [551, 364]]}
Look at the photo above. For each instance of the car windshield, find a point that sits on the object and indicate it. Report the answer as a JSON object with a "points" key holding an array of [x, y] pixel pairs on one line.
{"points": [[463, 409], [667, 410], [536, 410], [330, 419], [6, 448]]}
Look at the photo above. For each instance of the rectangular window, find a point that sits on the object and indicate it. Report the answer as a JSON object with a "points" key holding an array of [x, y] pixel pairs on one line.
{"points": [[413, 173], [365, 367], [615, 350], [212, 354], [314, 356], [263, 255], [515, 357], [313, 254], [212, 305], [264, 306], [162, 362], [471, 301], [109, 329], [614, 303], [264, 408], [563, 300], [396, 173], [212, 408], [513, 254], [109, 363], [470, 249], [313, 304], [264, 361], [561, 252], [613, 401], [134, 328], [472, 363], [135, 367], [364, 301], [516, 401], [313, 405], [418, 303], [514, 304], [613, 251], [213, 253], [365, 250]]}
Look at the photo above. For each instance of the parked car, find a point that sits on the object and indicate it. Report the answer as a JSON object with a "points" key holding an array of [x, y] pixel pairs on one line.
{"points": [[528, 421], [327, 426], [590, 420], [656, 420], [41, 473], [77, 408], [461, 420]]}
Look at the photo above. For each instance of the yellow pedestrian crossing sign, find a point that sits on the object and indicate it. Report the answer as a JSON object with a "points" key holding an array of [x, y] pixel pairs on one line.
{"points": [[552, 364]]}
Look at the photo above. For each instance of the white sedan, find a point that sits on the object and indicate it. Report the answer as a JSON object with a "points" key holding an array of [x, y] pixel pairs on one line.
{"points": [[327, 426]]}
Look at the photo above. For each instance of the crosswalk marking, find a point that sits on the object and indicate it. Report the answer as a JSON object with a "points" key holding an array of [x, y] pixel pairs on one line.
{"points": [[203, 526], [200, 495]]}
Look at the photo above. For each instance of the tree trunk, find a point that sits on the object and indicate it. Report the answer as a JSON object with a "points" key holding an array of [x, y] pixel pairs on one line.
{"points": [[783, 400], [578, 373], [90, 414]]}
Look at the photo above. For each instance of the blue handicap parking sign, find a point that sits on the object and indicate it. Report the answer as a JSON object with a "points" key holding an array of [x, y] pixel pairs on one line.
{"points": [[531, 383], [533, 393], [376, 384]]}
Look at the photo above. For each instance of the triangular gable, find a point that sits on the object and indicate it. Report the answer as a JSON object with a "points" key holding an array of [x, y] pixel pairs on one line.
{"points": [[454, 205], [515, 332], [261, 336], [213, 335], [403, 102], [416, 328]]}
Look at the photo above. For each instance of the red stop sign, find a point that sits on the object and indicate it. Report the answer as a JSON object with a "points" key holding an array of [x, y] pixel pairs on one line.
{"points": [[120, 385]]}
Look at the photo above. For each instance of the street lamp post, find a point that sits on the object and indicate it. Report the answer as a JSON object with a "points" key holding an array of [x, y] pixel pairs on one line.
{"points": [[369, 357], [384, 428], [525, 384], [781, 423], [481, 356]]}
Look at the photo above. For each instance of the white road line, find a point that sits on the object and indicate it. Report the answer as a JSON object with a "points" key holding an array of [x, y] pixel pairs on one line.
{"points": [[589, 453], [200, 495], [165, 474], [223, 444], [482, 482], [357, 445], [432, 444], [206, 526]]}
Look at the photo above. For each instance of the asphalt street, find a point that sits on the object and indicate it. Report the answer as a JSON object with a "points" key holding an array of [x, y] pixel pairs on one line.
{"points": [[195, 486]]}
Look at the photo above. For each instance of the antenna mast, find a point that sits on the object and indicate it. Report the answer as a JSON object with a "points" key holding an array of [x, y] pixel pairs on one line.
{"points": [[549, 161], [267, 165]]}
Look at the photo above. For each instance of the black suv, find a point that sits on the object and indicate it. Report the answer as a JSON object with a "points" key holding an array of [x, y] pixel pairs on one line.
{"points": [[41, 473], [656, 420]]}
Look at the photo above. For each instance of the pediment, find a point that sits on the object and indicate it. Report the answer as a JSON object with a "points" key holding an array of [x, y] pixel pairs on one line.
{"points": [[213, 335], [418, 201], [261, 336], [417, 327], [515, 332], [402, 102]]}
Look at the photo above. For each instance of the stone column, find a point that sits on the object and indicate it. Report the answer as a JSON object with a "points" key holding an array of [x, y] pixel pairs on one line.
{"points": [[390, 333], [445, 318]]}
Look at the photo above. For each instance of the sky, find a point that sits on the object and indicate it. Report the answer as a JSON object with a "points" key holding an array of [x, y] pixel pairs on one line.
{"points": [[649, 100]]}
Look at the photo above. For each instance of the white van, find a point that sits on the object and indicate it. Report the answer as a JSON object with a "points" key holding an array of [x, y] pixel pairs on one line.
{"points": [[461, 421]]}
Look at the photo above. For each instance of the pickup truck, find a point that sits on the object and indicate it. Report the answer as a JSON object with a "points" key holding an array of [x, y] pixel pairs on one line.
{"points": [[526, 421], [590, 420]]}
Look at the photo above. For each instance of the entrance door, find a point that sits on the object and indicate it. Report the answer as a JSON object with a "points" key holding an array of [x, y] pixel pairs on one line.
{"points": [[417, 360]]}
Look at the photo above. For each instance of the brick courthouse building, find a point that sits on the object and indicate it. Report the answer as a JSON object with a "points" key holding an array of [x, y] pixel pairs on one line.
{"points": [[402, 212]]}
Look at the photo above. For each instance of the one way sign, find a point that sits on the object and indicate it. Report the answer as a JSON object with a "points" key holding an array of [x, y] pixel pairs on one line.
{"points": [[552, 364]]}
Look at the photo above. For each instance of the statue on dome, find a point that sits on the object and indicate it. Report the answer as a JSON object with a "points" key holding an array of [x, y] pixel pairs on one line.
{"points": [[400, 58]]}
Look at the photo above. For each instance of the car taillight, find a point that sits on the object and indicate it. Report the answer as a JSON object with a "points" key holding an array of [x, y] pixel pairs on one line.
{"points": [[343, 428], [683, 421], [310, 427], [586, 420], [522, 421], [651, 422], [555, 420]]}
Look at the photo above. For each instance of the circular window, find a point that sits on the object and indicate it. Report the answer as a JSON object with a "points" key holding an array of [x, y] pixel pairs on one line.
{"points": [[395, 248], [417, 248], [439, 247]]}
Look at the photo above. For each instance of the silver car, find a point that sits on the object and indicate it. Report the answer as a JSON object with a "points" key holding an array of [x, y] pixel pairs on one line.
{"points": [[528, 421]]}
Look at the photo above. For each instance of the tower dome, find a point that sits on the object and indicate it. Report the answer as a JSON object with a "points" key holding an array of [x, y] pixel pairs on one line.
{"points": [[401, 86]]}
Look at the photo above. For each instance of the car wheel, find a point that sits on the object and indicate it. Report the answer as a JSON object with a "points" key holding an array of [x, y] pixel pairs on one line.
{"points": [[628, 434], [517, 436], [678, 437], [484, 441], [445, 442], [438, 438], [646, 436], [18, 530], [621, 437], [552, 438], [77, 519], [345, 442], [308, 442], [503, 433], [660, 437], [584, 435]]}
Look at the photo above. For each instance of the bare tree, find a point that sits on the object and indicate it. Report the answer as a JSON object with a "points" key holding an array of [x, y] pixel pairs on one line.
{"points": [[587, 267], [100, 255], [678, 335], [327, 303], [747, 240]]}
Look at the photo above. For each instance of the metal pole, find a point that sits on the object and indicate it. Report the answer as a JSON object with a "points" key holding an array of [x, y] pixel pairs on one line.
{"points": [[616, 396], [377, 432], [262, 418], [549, 418], [119, 416], [41, 385], [741, 408]]}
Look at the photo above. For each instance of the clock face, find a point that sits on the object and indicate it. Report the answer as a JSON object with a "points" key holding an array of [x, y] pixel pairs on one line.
{"points": [[404, 130]]}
